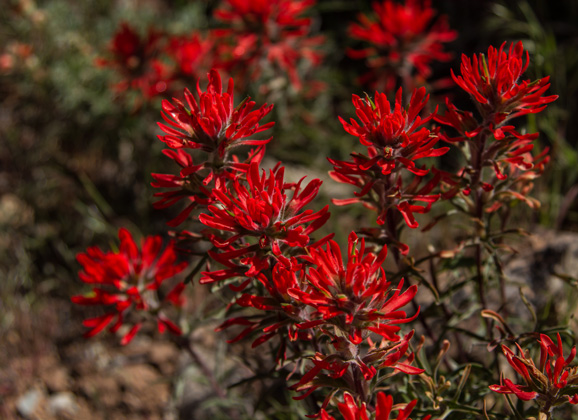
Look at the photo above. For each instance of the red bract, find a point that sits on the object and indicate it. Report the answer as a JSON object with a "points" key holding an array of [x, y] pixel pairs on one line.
{"points": [[402, 37], [552, 382], [127, 282], [395, 139], [260, 208], [494, 82], [136, 60], [270, 30], [356, 297]]}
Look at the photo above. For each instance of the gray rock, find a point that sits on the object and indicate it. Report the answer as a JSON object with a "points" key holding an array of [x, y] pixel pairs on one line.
{"points": [[28, 403], [62, 403]]}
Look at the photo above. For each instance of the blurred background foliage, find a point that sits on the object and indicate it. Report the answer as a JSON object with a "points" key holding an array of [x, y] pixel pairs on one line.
{"points": [[75, 158]]}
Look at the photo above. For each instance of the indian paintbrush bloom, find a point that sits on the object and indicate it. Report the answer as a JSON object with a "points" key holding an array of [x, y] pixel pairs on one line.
{"points": [[136, 59], [280, 313], [395, 139], [401, 38], [192, 55], [212, 124], [355, 297], [127, 283], [348, 367], [351, 410], [260, 207], [272, 32], [495, 84], [553, 382]]}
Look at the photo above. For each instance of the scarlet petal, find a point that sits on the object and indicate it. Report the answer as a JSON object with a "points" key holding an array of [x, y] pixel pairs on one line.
{"points": [[130, 335]]}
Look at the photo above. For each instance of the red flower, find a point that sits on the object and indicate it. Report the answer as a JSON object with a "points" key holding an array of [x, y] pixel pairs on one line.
{"points": [[271, 30], [345, 367], [261, 208], [356, 297], [136, 60], [351, 411], [212, 124], [494, 82], [192, 55], [128, 281], [395, 139], [400, 35], [552, 382]]}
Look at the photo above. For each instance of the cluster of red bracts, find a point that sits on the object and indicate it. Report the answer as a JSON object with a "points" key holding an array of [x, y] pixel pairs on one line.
{"points": [[387, 177], [261, 232], [553, 382], [400, 38], [317, 296], [127, 283], [253, 33], [265, 216], [351, 410], [494, 83]]}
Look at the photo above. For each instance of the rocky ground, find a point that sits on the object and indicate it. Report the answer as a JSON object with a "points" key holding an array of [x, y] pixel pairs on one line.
{"points": [[48, 371], [91, 379]]}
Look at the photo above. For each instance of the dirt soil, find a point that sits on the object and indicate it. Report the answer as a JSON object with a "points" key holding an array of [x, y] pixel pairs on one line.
{"points": [[49, 371]]}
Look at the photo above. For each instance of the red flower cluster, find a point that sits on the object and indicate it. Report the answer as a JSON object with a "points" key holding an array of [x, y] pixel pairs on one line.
{"points": [[255, 33], [552, 383], [321, 297], [345, 367], [282, 312], [350, 410], [128, 281], [356, 297], [402, 37], [212, 125], [262, 210], [494, 83], [395, 139], [270, 30], [136, 59], [192, 55]]}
